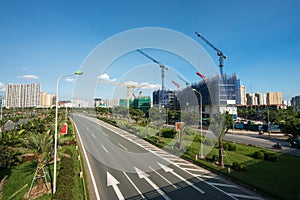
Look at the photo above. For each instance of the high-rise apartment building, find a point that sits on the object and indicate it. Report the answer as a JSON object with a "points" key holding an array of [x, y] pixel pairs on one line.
{"points": [[47, 100], [251, 99], [23, 95], [261, 98], [243, 99], [274, 98]]}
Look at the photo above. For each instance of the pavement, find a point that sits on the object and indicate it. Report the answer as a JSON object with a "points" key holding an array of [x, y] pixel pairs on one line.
{"points": [[124, 166]]}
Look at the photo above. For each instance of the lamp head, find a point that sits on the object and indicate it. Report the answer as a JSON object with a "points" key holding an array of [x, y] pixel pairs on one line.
{"points": [[78, 72]]}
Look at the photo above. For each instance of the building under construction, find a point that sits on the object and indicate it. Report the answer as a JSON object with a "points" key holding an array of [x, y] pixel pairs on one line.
{"points": [[141, 103]]}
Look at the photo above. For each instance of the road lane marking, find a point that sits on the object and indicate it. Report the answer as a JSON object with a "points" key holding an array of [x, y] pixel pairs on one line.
{"points": [[89, 165], [244, 196], [223, 185], [104, 148], [168, 169], [93, 135], [193, 169], [122, 146], [144, 175], [112, 181], [137, 189], [163, 177]]}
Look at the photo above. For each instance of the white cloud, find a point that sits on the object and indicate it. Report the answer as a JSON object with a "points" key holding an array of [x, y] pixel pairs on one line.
{"points": [[2, 87], [24, 68], [105, 77], [69, 79], [29, 77], [146, 85], [143, 85]]}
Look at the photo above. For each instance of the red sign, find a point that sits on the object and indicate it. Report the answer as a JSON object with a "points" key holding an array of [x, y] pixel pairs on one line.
{"points": [[64, 129]]}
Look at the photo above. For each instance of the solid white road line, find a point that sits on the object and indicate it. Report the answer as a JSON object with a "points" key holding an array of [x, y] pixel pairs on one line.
{"points": [[104, 148], [244, 196], [223, 185], [163, 177], [89, 165], [137, 189]]}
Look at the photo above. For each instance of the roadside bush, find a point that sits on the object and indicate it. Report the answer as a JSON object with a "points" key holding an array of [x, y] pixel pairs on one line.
{"points": [[270, 156], [208, 142], [258, 155], [65, 178], [231, 147], [168, 132], [225, 146], [264, 155], [238, 166]]}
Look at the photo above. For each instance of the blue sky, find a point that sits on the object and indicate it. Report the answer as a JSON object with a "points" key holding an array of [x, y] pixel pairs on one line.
{"points": [[46, 39]]}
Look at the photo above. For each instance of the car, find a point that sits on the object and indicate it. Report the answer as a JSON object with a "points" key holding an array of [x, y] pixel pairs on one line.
{"points": [[295, 142]]}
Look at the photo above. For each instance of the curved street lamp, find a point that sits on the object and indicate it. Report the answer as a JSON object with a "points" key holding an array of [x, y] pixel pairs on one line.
{"points": [[56, 115]]}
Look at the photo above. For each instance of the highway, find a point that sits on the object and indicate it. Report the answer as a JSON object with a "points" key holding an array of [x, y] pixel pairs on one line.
{"points": [[124, 166]]}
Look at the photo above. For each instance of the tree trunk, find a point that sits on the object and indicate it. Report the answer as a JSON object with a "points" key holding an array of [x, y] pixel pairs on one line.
{"points": [[221, 159], [40, 174]]}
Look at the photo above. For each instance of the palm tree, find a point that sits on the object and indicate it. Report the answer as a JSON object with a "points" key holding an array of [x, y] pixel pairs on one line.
{"points": [[41, 144], [219, 126]]}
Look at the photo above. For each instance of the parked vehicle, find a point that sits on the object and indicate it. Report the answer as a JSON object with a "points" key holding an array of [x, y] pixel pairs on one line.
{"points": [[295, 142]]}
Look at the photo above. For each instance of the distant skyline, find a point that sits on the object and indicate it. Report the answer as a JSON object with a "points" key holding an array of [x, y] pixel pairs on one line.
{"points": [[42, 40]]}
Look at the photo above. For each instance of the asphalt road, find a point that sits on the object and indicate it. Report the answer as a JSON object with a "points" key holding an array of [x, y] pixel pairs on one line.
{"points": [[124, 166], [263, 141]]}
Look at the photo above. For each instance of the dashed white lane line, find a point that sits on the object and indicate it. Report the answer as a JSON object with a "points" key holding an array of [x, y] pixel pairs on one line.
{"points": [[122, 146], [104, 148], [163, 177], [93, 135]]}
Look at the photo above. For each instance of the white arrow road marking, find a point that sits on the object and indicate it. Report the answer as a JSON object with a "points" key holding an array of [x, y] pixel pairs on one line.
{"points": [[137, 189], [163, 177], [145, 176], [168, 169], [104, 148], [111, 181]]}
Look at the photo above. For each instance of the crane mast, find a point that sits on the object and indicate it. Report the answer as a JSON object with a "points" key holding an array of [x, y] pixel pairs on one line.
{"points": [[222, 57], [163, 68]]}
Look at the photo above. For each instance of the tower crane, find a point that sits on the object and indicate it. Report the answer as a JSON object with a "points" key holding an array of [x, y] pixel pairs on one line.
{"points": [[129, 88], [163, 68], [222, 57], [187, 84]]}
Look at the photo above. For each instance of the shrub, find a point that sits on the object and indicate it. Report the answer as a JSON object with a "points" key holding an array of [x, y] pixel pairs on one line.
{"points": [[225, 146], [270, 156], [65, 178], [231, 147], [258, 155], [238, 166], [168, 132]]}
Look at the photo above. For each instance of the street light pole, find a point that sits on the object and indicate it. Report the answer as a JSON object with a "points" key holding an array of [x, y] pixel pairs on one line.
{"points": [[200, 113], [56, 124]]}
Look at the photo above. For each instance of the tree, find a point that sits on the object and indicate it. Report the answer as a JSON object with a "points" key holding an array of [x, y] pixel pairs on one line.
{"points": [[41, 144], [292, 126], [219, 126]]}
